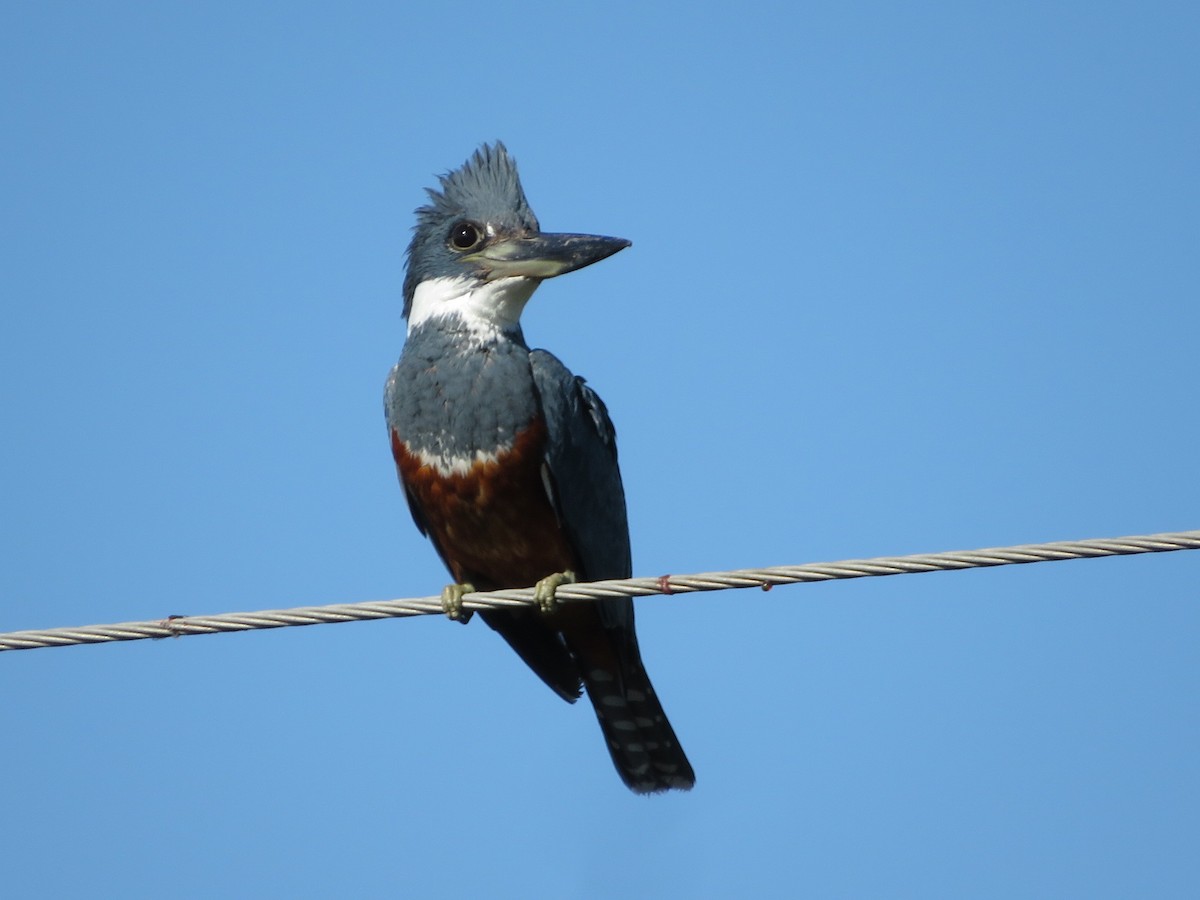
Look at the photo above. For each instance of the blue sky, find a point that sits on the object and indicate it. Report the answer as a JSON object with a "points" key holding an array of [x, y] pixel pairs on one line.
{"points": [[903, 279]]}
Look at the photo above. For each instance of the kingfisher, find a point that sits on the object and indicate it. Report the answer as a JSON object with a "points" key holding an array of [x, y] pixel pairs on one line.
{"points": [[509, 461]]}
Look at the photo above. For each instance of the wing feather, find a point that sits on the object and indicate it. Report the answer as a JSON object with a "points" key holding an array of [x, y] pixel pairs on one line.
{"points": [[584, 477]]}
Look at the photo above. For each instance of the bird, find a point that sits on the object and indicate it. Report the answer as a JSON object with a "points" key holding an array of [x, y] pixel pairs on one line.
{"points": [[509, 461]]}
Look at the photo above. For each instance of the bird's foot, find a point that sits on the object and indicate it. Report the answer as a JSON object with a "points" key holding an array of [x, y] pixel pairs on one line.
{"points": [[544, 590], [452, 606]]}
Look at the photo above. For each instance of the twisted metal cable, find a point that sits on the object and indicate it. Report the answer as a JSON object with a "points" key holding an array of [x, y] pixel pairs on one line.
{"points": [[178, 626]]}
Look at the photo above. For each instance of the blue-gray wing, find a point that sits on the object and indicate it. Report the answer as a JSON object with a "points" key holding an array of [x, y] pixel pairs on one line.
{"points": [[583, 477]]}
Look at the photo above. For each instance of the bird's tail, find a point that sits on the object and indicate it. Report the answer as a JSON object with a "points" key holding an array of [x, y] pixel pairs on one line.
{"points": [[640, 740]]}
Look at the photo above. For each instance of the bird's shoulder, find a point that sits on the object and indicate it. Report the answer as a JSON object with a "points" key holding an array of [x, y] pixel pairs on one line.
{"points": [[569, 402], [582, 473]]}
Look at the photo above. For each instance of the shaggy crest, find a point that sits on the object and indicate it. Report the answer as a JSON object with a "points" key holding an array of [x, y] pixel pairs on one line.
{"points": [[486, 189]]}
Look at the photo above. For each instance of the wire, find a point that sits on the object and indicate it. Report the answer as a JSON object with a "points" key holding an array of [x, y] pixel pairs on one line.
{"points": [[178, 626]]}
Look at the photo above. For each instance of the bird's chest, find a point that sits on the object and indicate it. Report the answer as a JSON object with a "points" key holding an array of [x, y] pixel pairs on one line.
{"points": [[470, 447], [492, 522], [454, 405]]}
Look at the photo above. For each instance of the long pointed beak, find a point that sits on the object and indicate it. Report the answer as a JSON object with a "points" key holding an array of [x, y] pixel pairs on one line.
{"points": [[546, 255]]}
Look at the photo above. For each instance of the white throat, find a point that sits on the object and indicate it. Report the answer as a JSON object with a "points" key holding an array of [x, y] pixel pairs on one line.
{"points": [[485, 307]]}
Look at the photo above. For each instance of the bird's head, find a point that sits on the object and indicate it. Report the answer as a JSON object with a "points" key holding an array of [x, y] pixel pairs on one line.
{"points": [[477, 250]]}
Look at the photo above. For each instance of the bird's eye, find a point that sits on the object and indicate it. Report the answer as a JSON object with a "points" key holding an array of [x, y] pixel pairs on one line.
{"points": [[464, 236]]}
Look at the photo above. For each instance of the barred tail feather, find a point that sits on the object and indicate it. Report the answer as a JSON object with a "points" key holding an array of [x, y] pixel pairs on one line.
{"points": [[640, 740]]}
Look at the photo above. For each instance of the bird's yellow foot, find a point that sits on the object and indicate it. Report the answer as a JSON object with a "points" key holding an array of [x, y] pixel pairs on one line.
{"points": [[452, 595], [543, 591]]}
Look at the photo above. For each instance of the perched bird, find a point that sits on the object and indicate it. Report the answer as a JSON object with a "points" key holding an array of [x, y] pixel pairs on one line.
{"points": [[509, 462]]}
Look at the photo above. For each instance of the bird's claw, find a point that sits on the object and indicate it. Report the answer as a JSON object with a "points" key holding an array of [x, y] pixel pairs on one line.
{"points": [[452, 605], [544, 590]]}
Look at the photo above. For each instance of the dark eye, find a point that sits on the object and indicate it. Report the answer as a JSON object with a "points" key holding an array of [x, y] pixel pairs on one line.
{"points": [[464, 236]]}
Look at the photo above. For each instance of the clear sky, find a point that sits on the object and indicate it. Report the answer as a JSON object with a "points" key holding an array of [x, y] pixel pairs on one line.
{"points": [[904, 278]]}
